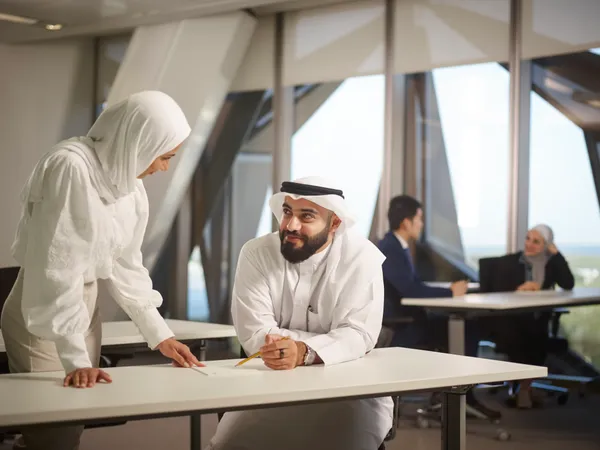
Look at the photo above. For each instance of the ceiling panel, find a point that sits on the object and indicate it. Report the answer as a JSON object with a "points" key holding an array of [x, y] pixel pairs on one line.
{"points": [[106, 16], [98, 17]]}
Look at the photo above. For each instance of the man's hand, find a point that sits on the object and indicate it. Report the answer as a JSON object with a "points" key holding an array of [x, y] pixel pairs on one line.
{"points": [[529, 286], [459, 288], [179, 353], [86, 378], [280, 354], [552, 249]]}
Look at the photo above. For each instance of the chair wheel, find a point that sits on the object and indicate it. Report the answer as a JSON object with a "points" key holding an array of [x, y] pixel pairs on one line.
{"points": [[562, 399], [422, 422], [502, 435]]}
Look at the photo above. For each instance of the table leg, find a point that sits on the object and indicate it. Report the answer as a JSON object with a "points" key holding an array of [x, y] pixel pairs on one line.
{"points": [[202, 356], [456, 335], [195, 431], [453, 421], [456, 345]]}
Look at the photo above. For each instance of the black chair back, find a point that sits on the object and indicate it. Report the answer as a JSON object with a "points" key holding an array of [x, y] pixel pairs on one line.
{"points": [[488, 271], [8, 276]]}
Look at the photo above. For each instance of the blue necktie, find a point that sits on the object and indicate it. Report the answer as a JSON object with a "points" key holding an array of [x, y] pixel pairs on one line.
{"points": [[410, 261]]}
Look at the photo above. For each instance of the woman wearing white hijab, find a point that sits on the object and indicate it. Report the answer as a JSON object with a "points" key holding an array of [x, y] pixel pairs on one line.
{"points": [[524, 337], [85, 211]]}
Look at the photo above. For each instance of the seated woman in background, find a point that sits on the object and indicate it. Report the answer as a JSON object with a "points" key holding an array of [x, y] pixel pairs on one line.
{"points": [[524, 337]]}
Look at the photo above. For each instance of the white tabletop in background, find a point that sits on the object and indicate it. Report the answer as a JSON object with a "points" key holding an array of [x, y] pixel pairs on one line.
{"points": [[126, 333], [503, 301], [146, 390], [446, 284]]}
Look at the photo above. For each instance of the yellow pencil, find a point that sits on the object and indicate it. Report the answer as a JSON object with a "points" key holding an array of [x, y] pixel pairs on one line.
{"points": [[254, 355]]}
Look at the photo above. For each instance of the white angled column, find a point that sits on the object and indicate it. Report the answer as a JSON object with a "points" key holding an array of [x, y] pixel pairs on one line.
{"points": [[195, 62]]}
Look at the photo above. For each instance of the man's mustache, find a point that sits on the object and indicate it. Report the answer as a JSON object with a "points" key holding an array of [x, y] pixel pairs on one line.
{"points": [[294, 234]]}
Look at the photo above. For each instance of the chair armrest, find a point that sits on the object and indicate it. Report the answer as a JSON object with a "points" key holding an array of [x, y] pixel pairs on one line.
{"points": [[555, 320], [397, 320]]}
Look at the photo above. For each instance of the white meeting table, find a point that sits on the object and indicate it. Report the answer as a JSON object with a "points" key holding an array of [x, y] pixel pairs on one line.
{"points": [[123, 337], [472, 286], [461, 308], [39, 398]]}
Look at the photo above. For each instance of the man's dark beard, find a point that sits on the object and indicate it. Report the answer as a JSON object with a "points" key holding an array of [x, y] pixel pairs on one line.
{"points": [[310, 247]]}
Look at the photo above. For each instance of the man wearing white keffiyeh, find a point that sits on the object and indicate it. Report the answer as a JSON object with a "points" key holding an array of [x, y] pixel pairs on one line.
{"points": [[320, 284]]}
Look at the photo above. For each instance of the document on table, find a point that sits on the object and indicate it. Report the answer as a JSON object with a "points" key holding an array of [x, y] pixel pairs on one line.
{"points": [[226, 371]]}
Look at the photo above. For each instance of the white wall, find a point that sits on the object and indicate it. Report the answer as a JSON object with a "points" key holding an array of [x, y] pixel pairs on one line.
{"points": [[46, 94]]}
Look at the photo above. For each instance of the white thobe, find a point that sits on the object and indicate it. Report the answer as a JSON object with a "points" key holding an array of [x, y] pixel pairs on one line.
{"points": [[334, 303]]}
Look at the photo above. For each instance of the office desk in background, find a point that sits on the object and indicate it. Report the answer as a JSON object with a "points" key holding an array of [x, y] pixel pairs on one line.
{"points": [[471, 286], [167, 391], [472, 305], [124, 339]]}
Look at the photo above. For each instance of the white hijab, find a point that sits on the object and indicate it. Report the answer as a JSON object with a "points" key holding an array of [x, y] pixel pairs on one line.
{"points": [[537, 263], [121, 145]]}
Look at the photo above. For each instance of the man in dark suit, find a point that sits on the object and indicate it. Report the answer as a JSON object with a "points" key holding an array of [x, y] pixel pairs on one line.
{"points": [[405, 216]]}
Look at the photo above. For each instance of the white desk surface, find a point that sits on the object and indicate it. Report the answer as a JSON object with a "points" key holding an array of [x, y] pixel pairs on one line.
{"points": [[504, 301], [141, 391], [125, 332], [447, 284]]}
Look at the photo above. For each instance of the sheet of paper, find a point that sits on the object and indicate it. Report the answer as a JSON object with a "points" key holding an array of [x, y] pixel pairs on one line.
{"points": [[224, 371]]}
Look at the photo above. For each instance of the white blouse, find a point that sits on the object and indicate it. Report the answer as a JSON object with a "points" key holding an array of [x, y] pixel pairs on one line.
{"points": [[70, 238]]}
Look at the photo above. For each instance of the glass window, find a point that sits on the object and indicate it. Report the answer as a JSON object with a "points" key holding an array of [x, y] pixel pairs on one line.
{"points": [[198, 308], [465, 121], [562, 190], [265, 225], [342, 140]]}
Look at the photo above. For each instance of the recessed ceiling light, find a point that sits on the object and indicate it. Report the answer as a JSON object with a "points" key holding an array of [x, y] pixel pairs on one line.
{"points": [[53, 26], [17, 19], [556, 85], [587, 98], [594, 102]]}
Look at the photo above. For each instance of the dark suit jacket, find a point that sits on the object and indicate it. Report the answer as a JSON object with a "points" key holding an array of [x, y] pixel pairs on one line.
{"points": [[507, 273], [401, 282]]}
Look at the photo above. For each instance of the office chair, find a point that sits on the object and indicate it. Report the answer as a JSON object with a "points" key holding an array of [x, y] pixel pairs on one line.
{"points": [[8, 276], [488, 274]]}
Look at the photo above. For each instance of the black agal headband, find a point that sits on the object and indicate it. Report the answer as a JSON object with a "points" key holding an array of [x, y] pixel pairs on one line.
{"points": [[308, 189]]}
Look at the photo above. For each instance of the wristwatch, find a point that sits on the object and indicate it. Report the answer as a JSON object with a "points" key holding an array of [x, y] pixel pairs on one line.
{"points": [[309, 356]]}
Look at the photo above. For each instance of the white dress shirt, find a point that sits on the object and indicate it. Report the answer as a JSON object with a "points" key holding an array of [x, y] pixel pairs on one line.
{"points": [[402, 241], [333, 302], [70, 238]]}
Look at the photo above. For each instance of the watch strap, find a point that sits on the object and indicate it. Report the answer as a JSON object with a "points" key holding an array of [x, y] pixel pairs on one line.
{"points": [[309, 356]]}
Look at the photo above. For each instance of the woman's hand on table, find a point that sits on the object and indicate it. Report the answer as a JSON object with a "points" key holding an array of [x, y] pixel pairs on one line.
{"points": [[179, 353], [86, 377]]}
